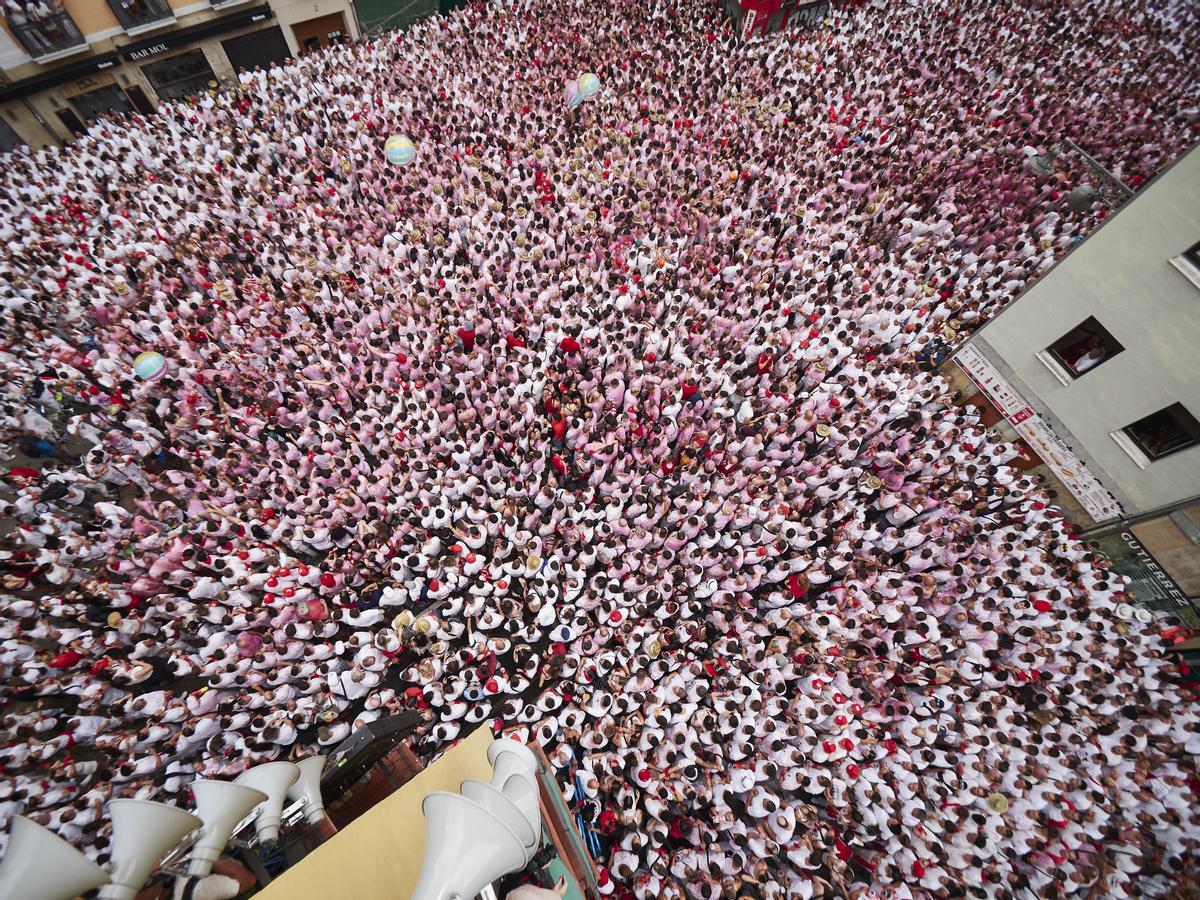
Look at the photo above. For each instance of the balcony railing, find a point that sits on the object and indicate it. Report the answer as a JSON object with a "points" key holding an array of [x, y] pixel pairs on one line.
{"points": [[135, 15], [45, 35]]}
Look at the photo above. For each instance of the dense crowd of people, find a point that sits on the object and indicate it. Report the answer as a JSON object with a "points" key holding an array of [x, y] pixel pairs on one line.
{"points": [[605, 428]]}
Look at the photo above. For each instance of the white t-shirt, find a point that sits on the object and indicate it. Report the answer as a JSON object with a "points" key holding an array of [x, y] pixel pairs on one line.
{"points": [[210, 887]]}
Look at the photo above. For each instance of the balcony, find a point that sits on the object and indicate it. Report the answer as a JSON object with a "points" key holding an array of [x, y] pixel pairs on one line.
{"points": [[137, 16], [45, 33]]}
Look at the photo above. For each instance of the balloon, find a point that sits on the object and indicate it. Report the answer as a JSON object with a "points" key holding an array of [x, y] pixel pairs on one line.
{"points": [[589, 85], [399, 150], [149, 365], [574, 97]]}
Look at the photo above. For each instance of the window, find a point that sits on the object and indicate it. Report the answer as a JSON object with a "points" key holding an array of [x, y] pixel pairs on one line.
{"points": [[1082, 349], [184, 75], [1188, 262], [1164, 432], [138, 14], [1192, 254]]}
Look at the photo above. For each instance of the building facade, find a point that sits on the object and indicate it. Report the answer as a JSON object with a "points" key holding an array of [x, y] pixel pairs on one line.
{"points": [[1096, 370], [66, 62], [757, 18]]}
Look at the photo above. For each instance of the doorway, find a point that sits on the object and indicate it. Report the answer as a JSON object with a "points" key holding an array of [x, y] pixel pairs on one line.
{"points": [[265, 48], [69, 118], [321, 32], [139, 100]]}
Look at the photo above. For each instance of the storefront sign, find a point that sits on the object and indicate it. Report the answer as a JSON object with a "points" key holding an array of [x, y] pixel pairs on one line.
{"points": [[810, 14], [1162, 581], [62, 75], [748, 23], [135, 55], [1100, 504], [91, 83]]}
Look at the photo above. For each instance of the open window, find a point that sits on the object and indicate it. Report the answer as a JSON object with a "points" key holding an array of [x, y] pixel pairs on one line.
{"points": [[1080, 350], [1188, 262], [1162, 433], [1192, 255]]}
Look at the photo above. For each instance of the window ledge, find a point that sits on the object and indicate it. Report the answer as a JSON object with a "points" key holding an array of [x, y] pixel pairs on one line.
{"points": [[1189, 271], [1126, 443], [151, 26], [62, 54], [1056, 368]]}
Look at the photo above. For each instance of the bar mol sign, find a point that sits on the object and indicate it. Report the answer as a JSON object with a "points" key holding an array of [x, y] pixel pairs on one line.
{"points": [[152, 50]]}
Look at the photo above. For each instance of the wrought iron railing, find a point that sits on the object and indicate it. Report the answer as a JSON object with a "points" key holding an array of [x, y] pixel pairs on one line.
{"points": [[45, 35], [138, 13]]}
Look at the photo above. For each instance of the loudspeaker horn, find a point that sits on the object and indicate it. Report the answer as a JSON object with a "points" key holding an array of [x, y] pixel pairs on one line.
{"points": [[142, 833], [273, 779], [220, 806], [39, 865], [502, 808], [506, 764], [308, 788], [466, 849], [525, 796], [500, 745]]}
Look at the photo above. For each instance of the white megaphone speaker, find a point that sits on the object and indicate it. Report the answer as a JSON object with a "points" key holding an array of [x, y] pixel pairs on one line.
{"points": [[39, 865], [525, 797], [273, 779], [506, 764], [142, 833], [308, 788], [466, 849], [220, 806], [503, 809], [502, 745]]}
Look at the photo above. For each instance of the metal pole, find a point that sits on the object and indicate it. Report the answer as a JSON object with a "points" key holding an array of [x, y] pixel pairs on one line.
{"points": [[1126, 521], [1099, 169]]}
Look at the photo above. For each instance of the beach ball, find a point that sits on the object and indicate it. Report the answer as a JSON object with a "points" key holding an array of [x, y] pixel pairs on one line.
{"points": [[589, 85], [399, 150], [149, 365]]}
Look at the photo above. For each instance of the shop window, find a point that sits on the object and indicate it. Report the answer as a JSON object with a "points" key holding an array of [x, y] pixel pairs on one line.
{"points": [[184, 75], [1165, 432], [94, 104], [1083, 348]]}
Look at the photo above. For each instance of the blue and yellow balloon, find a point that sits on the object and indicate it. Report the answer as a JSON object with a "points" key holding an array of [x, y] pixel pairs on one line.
{"points": [[399, 150], [149, 365]]}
